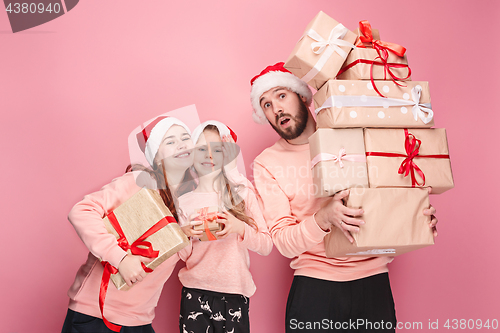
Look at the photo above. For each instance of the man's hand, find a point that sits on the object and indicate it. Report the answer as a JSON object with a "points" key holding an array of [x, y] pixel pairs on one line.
{"points": [[430, 212], [335, 213], [131, 270]]}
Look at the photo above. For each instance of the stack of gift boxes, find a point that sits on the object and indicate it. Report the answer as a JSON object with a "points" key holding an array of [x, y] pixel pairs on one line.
{"points": [[373, 136]]}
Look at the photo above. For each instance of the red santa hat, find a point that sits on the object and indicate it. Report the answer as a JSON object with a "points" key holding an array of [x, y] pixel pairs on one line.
{"points": [[275, 76], [150, 137], [224, 131]]}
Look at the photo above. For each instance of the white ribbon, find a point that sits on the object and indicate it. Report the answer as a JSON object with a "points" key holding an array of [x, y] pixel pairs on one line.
{"points": [[419, 110], [324, 157], [329, 46]]}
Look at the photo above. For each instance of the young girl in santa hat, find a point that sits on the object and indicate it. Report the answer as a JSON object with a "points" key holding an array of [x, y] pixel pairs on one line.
{"points": [[167, 145], [217, 280]]}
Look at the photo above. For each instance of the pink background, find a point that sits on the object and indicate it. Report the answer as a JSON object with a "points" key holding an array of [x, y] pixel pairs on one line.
{"points": [[73, 89]]}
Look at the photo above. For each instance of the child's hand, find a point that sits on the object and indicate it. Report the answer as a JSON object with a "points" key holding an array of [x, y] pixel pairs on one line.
{"points": [[231, 225], [131, 270], [189, 229]]}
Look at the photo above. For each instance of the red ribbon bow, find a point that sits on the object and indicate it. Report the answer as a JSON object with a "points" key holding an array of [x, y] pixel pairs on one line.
{"points": [[367, 37], [206, 217], [139, 247], [382, 49], [408, 166]]}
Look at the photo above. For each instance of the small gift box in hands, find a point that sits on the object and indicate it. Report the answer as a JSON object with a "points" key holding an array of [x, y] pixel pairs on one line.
{"points": [[208, 216]]}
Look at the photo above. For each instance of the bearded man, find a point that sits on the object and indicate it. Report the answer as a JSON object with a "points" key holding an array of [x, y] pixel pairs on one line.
{"points": [[341, 294]]}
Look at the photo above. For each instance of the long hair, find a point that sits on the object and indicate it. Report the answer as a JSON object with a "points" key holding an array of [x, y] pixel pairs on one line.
{"points": [[169, 199], [229, 193]]}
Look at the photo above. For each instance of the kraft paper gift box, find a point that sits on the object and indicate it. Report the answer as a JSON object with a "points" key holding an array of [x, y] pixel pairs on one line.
{"points": [[355, 103], [208, 215], [321, 51], [358, 65], [400, 157], [135, 217], [338, 160], [394, 224]]}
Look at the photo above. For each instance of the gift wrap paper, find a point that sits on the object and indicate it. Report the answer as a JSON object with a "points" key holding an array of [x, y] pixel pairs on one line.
{"points": [[383, 171], [329, 176], [358, 33], [350, 97], [361, 71], [394, 224], [135, 216], [303, 59], [213, 226]]}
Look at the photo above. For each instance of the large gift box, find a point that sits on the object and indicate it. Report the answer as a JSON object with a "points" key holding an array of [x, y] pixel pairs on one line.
{"points": [[321, 51], [143, 225], [354, 103], [394, 223], [387, 59], [338, 160], [208, 215], [408, 158]]}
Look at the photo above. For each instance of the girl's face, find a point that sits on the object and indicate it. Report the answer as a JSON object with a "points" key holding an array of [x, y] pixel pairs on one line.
{"points": [[176, 150], [208, 155]]}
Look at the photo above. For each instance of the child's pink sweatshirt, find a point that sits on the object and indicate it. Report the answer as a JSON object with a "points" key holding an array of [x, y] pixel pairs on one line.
{"points": [[223, 265], [129, 308]]}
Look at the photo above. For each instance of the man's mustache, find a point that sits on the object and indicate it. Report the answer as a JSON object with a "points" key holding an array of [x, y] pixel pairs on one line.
{"points": [[283, 115]]}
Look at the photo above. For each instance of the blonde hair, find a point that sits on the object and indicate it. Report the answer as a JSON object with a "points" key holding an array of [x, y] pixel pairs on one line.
{"points": [[229, 192]]}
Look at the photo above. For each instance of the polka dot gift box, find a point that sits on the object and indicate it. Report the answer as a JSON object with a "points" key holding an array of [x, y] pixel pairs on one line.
{"points": [[355, 103]]}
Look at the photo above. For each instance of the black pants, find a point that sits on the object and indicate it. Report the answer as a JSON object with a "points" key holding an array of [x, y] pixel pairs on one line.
{"points": [[77, 322], [364, 305], [204, 311]]}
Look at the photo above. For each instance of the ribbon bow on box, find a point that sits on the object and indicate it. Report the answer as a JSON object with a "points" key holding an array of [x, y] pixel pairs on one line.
{"points": [[383, 49], [207, 217], [139, 247], [367, 37], [323, 157], [408, 166], [329, 46]]}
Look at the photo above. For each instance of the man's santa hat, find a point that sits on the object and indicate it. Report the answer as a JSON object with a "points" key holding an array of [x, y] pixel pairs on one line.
{"points": [[224, 131], [271, 77], [149, 139]]}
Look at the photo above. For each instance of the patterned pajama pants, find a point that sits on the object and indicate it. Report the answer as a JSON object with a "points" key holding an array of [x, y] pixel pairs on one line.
{"points": [[204, 311]]}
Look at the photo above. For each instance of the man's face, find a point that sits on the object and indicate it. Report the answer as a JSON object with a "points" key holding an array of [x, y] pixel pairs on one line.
{"points": [[285, 111]]}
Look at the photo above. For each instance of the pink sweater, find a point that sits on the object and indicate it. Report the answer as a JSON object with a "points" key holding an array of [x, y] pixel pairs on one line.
{"points": [[223, 265], [283, 179], [129, 308]]}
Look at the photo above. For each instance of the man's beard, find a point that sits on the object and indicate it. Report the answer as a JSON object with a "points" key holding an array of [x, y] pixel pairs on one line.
{"points": [[293, 132]]}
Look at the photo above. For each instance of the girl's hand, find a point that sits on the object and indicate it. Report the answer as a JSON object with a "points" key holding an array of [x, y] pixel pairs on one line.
{"points": [[189, 228], [232, 225], [131, 270]]}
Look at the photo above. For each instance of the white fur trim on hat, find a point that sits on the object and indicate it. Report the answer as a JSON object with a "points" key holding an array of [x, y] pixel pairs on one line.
{"points": [[223, 129], [157, 134], [276, 79]]}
